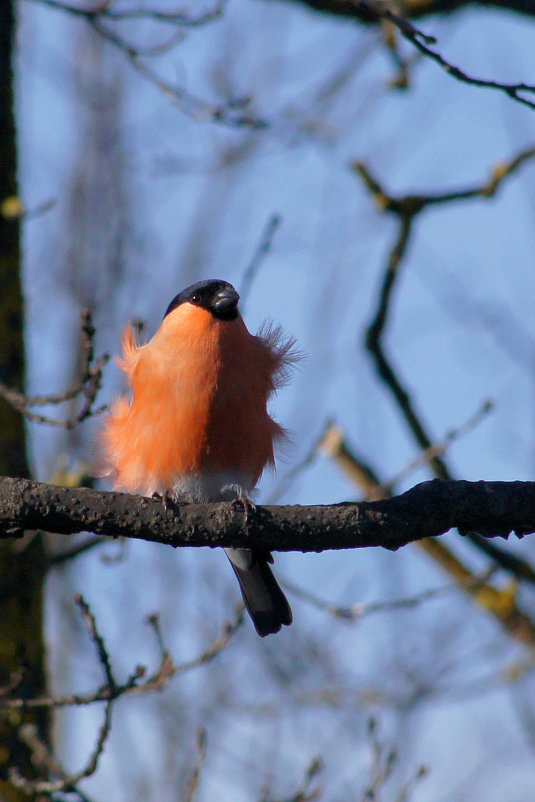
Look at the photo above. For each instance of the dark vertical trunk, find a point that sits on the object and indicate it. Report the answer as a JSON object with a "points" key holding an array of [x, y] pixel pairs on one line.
{"points": [[22, 571]]}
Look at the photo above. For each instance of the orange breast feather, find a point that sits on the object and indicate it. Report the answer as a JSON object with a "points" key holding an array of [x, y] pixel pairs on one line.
{"points": [[198, 406]]}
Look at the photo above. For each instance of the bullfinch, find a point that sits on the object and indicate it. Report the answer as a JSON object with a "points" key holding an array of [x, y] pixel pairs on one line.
{"points": [[196, 427]]}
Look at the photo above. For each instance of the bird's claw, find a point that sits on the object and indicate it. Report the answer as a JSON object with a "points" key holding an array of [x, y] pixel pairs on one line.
{"points": [[248, 506], [242, 499], [168, 500]]}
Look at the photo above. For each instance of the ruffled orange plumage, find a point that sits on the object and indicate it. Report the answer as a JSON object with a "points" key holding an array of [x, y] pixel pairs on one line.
{"points": [[198, 404]]}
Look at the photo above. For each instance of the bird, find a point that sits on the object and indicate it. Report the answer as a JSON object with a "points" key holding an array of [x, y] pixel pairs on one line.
{"points": [[195, 425]]}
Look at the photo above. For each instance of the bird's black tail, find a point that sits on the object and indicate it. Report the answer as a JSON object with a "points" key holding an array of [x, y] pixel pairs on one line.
{"points": [[264, 600]]}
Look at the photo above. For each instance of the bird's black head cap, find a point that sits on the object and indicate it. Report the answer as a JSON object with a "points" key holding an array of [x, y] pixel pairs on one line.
{"points": [[215, 295]]}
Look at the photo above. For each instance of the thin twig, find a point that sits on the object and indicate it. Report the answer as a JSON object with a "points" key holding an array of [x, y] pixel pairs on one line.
{"points": [[440, 448], [370, 11], [153, 621], [229, 629], [195, 777], [87, 386], [288, 479], [65, 782], [104, 20], [356, 612], [515, 90], [15, 681], [97, 639], [413, 204], [384, 759], [262, 249], [81, 548], [234, 114], [131, 50], [103, 11], [333, 444], [304, 792], [133, 686], [12, 208]]}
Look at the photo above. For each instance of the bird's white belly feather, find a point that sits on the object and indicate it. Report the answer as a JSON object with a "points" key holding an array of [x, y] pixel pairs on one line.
{"points": [[222, 486]]}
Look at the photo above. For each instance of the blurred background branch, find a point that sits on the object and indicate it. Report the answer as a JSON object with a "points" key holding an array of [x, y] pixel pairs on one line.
{"points": [[274, 101]]}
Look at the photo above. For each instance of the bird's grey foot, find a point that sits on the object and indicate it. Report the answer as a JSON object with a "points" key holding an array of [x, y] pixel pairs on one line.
{"points": [[239, 497]]}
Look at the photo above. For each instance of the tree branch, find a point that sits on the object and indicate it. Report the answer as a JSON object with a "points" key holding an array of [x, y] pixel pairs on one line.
{"points": [[494, 509], [372, 11], [406, 210], [413, 9], [500, 602]]}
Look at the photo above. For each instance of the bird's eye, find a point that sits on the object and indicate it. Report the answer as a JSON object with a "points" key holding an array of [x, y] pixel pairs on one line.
{"points": [[195, 298]]}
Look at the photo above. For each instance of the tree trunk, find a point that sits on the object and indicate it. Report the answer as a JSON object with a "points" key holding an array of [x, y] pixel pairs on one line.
{"points": [[21, 581]]}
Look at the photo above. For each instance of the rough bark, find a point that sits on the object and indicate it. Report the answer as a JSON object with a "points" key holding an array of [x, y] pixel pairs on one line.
{"points": [[493, 509]]}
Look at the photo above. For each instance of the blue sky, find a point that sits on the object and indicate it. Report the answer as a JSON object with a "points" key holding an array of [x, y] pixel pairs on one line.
{"points": [[148, 200]]}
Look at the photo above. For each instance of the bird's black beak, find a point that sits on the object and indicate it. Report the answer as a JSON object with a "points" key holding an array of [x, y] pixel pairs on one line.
{"points": [[225, 303]]}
